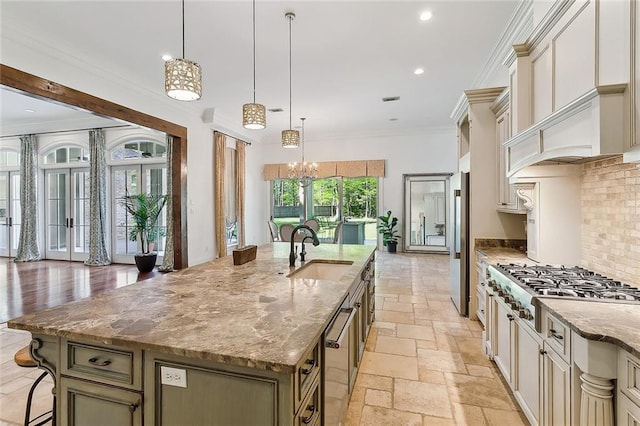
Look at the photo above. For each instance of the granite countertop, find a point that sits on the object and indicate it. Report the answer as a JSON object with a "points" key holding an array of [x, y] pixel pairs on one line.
{"points": [[250, 315], [495, 255], [611, 322]]}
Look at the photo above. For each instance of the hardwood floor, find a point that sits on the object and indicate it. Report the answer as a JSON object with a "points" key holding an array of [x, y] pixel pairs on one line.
{"points": [[27, 287]]}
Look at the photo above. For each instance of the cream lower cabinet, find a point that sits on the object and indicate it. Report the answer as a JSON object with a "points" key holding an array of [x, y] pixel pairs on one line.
{"points": [[527, 379], [628, 394], [503, 338], [556, 389]]}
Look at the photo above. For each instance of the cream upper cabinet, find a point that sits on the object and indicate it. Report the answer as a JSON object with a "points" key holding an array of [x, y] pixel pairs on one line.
{"points": [[506, 200], [570, 84]]}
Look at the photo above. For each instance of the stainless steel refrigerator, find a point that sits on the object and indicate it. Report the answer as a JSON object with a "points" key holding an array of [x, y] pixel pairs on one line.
{"points": [[459, 247]]}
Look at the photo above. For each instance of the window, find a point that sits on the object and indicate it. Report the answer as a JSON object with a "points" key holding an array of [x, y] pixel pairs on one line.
{"points": [[67, 155], [138, 150], [9, 158], [330, 201]]}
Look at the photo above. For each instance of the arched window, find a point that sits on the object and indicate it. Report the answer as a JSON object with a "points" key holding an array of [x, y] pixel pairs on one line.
{"points": [[137, 150], [9, 158], [66, 155]]}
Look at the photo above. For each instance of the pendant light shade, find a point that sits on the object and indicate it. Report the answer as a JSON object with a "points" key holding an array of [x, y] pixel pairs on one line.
{"points": [[290, 138], [182, 77], [254, 116]]}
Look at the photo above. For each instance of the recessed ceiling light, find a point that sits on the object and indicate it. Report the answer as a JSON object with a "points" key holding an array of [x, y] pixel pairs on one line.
{"points": [[426, 15], [167, 57], [275, 110], [30, 110], [393, 119], [418, 71], [391, 99]]}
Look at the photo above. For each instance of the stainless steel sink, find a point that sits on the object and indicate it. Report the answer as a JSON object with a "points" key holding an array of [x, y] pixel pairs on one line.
{"points": [[322, 270]]}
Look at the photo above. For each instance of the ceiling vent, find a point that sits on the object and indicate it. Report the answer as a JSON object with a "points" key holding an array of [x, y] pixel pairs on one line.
{"points": [[391, 99], [275, 110]]}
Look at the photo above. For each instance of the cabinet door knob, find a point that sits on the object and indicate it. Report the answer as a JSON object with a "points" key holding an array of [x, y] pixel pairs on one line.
{"points": [[133, 407], [307, 420], [511, 318], [307, 371], [542, 352]]}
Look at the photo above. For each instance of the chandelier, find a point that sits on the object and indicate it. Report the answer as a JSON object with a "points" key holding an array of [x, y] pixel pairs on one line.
{"points": [[290, 138], [253, 114], [303, 172], [182, 77]]}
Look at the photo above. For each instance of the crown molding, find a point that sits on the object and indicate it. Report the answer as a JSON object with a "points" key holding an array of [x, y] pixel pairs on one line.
{"points": [[518, 28]]}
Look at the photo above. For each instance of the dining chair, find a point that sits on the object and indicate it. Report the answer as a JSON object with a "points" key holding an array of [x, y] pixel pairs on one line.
{"points": [[337, 234], [313, 224], [285, 231], [273, 229]]}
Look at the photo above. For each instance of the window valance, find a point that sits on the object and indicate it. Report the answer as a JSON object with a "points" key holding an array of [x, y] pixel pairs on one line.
{"points": [[361, 168]]}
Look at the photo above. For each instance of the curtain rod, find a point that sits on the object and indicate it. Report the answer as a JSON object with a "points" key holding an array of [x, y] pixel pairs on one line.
{"points": [[65, 131], [231, 136]]}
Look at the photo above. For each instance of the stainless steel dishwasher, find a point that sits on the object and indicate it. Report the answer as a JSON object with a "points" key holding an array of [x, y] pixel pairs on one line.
{"points": [[336, 365]]}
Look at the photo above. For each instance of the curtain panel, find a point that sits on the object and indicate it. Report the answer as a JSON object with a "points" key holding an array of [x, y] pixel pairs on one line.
{"points": [[167, 261], [218, 185], [28, 241], [98, 254], [240, 189]]}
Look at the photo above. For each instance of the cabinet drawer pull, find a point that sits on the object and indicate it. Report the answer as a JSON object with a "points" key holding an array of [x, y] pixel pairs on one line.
{"points": [[511, 318], [307, 420], [99, 362], [133, 407], [542, 352], [307, 371], [555, 334]]}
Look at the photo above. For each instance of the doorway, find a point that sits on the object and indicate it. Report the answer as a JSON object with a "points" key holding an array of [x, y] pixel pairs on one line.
{"points": [[67, 214], [425, 213]]}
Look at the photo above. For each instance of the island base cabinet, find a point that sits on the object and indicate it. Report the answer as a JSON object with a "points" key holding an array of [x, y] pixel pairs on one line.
{"points": [[87, 403], [214, 397]]}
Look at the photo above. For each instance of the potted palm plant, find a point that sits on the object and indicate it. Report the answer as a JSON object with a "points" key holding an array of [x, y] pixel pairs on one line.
{"points": [[145, 210], [388, 229]]}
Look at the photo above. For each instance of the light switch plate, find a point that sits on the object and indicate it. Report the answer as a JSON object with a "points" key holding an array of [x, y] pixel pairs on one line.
{"points": [[173, 376]]}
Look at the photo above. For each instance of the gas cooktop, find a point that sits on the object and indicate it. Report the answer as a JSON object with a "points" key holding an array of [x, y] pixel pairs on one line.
{"points": [[574, 281]]}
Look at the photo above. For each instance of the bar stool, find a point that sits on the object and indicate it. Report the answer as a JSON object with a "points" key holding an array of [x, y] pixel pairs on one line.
{"points": [[23, 359]]}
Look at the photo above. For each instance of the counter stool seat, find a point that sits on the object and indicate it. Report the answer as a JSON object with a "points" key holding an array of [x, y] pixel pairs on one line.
{"points": [[23, 359]]}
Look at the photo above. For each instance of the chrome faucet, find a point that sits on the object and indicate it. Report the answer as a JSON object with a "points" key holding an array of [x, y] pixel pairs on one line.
{"points": [[292, 253]]}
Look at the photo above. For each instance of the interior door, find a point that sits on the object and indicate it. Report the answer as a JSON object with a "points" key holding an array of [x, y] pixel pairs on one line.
{"points": [[67, 214], [10, 213]]}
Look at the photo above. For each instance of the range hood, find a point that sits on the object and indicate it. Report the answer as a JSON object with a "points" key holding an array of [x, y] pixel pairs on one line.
{"points": [[591, 126]]}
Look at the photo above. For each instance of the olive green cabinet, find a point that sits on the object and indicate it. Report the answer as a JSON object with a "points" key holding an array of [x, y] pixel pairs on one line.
{"points": [[87, 403]]}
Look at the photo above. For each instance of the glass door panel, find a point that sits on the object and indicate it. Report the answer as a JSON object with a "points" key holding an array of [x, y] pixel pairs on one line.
{"points": [[10, 213], [67, 227], [132, 180]]}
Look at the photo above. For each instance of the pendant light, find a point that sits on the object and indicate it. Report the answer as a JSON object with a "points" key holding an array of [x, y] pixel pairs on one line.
{"points": [[182, 77], [290, 138], [253, 114]]}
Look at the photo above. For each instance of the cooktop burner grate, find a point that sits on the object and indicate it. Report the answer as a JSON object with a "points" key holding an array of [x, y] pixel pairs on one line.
{"points": [[572, 281]]}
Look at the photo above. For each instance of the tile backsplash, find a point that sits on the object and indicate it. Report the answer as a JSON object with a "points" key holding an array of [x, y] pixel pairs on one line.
{"points": [[611, 219]]}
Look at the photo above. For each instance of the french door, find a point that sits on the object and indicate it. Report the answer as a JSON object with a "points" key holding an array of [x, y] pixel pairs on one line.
{"points": [[67, 214], [132, 180], [10, 213]]}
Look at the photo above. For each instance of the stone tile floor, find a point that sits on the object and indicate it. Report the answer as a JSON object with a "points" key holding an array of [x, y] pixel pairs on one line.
{"points": [[423, 363]]}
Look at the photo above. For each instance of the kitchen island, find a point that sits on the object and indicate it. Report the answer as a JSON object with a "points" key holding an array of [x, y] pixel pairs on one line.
{"points": [[213, 343]]}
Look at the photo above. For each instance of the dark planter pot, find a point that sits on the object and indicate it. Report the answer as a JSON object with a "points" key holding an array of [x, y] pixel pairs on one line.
{"points": [[146, 262], [392, 247]]}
